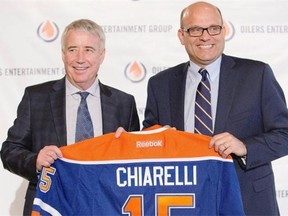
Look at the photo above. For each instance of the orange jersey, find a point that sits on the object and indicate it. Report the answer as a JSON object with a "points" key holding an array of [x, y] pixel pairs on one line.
{"points": [[157, 143]]}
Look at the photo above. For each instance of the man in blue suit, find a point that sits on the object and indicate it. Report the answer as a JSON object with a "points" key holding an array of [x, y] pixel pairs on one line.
{"points": [[46, 117], [249, 112]]}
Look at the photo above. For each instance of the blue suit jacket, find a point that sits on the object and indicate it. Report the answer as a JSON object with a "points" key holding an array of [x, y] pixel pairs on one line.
{"points": [[41, 121], [251, 106]]}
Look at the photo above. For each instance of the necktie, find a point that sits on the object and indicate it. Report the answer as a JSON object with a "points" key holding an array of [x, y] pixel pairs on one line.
{"points": [[203, 117], [84, 126]]}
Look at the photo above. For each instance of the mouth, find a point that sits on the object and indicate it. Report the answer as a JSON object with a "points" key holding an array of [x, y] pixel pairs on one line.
{"points": [[80, 68], [207, 46]]}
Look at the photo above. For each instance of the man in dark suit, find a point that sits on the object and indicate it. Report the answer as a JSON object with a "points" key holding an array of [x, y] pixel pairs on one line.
{"points": [[249, 112], [46, 116]]}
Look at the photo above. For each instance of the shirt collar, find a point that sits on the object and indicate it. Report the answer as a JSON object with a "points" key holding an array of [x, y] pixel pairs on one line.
{"points": [[93, 89], [213, 68]]}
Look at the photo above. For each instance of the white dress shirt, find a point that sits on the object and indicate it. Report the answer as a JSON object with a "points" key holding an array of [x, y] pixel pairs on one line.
{"points": [[94, 106]]}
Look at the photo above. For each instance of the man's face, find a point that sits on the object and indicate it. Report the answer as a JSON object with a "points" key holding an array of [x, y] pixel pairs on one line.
{"points": [[203, 49], [82, 58]]}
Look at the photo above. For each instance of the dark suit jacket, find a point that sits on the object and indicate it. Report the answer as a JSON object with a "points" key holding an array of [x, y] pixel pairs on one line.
{"points": [[41, 121], [251, 106]]}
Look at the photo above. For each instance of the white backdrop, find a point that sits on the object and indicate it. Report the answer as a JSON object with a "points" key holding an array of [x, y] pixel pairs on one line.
{"points": [[141, 41]]}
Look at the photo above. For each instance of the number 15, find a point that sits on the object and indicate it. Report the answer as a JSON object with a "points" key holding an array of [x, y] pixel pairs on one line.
{"points": [[164, 202]]}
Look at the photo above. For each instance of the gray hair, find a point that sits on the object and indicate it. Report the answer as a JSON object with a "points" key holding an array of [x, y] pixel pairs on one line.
{"points": [[85, 25]]}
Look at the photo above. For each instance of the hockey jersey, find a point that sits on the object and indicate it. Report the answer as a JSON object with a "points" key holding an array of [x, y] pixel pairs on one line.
{"points": [[158, 172]]}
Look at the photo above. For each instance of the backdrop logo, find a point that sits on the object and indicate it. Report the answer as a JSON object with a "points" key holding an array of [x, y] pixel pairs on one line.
{"points": [[135, 71], [48, 31], [230, 30]]}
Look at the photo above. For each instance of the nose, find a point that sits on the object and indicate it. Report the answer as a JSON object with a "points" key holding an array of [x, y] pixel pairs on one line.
{"points": [[80, 57], [205, 35]]}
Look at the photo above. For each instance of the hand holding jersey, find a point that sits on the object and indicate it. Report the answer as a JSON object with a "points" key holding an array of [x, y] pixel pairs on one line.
{"points": [[47, 156], [226, 144]]}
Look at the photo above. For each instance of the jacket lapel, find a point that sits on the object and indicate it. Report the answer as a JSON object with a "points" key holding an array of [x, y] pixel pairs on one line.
{"points": [[177, 95], [227, 83], [57, 100], [107, 108]]}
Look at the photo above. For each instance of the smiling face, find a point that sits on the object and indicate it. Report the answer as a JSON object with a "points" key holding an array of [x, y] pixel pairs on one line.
{"points": [[205, 49], [82, 57]]}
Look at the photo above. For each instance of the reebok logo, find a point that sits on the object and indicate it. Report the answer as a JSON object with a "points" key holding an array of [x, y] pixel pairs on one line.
{"points": [[148, 144]]}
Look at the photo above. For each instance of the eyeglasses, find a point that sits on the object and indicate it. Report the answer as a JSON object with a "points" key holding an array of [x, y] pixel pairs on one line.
{"points": [[198, 31]]}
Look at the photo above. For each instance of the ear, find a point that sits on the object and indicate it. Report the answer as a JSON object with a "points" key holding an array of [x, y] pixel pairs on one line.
{"points": [[102, 55], [63, 55], [181, 36], [224, 30]]}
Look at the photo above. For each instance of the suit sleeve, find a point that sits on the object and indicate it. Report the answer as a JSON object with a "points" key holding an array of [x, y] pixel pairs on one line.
{"points": [[273, 142], [16, 152]]}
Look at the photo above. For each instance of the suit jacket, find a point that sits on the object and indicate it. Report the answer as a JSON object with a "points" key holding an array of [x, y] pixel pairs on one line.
{"points": [[251, 106], [41, 121]]}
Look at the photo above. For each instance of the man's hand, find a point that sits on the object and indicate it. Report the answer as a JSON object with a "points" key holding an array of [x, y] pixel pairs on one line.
{"points": [[119, 131], [226, 143], [47, 156]]}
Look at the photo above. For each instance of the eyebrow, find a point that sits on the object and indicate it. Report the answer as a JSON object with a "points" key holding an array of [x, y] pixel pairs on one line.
{"points": [[90, 47], [192, 26]]}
